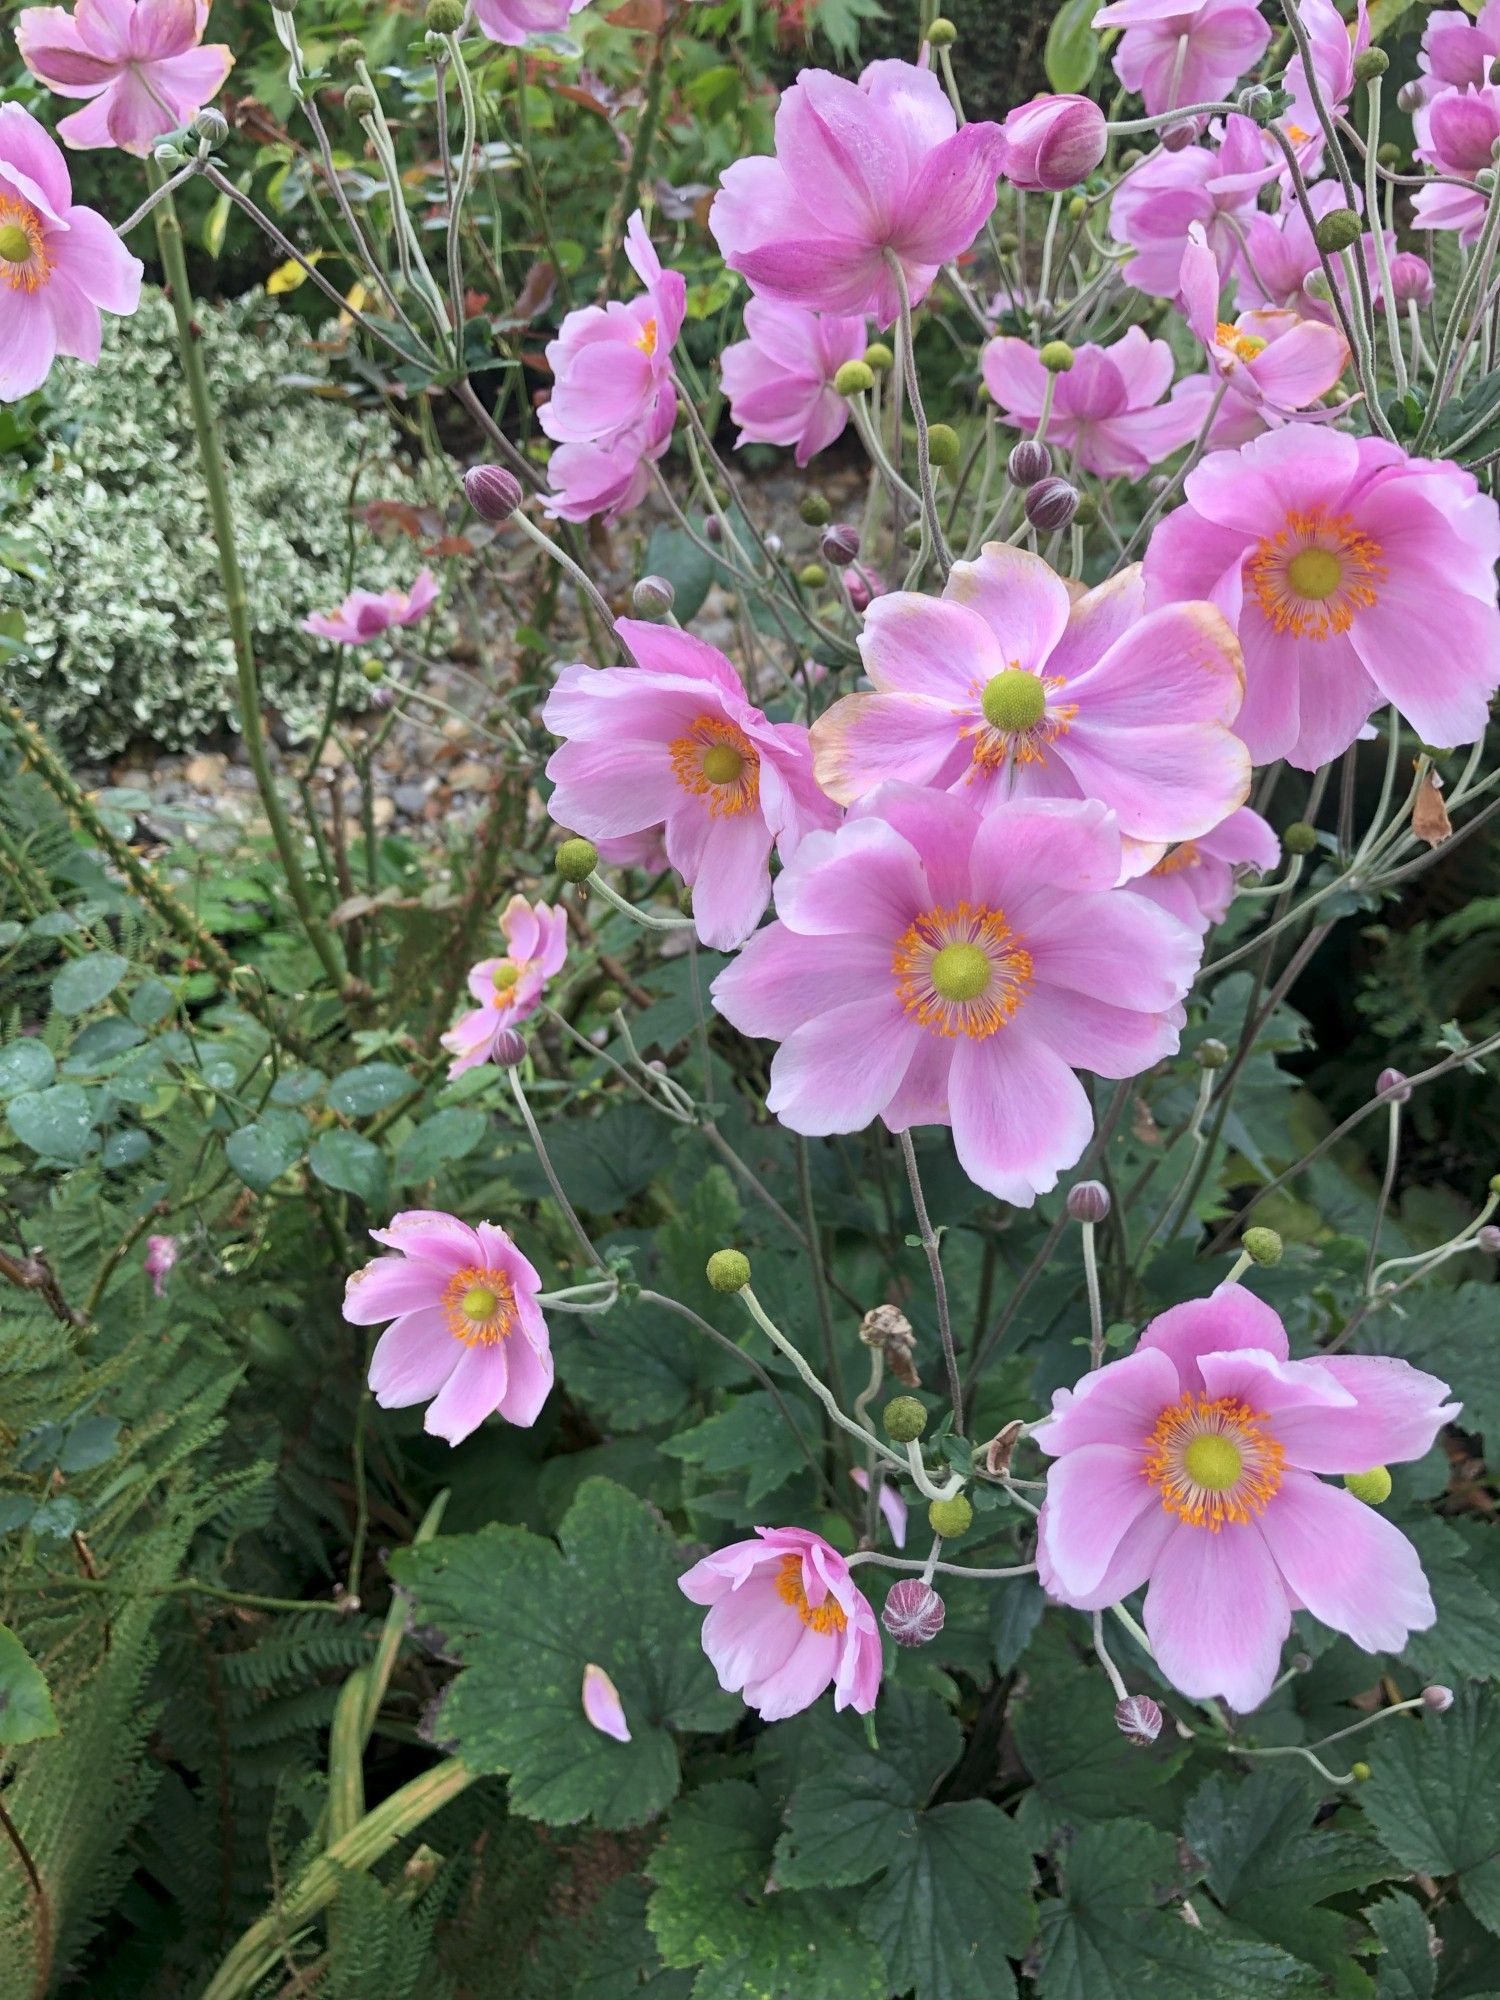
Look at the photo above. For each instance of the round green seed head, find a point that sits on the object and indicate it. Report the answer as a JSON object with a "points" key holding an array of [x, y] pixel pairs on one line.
{"points": [[1373, 1487], [576, 860], [879, 357], [348, 56], [685, 899], [1300, 838], [855, 378], [444, 17], [609, 999], [372, 670], [729, 1270], [1056, 357], [904, 1419], [1086, 513], [1013, 700], [1339, 229], [1360, 1772], [812, 576], [911, 534], [942, 34], [1211, 1054], [1262, 1246], [1007, 243], [942, 444], [1371, 62], [815, 510], [950, 1518], [359, 102]]}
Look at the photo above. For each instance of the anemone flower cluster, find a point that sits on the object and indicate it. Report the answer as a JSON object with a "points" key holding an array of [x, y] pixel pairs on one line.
{"points": [[140, 64]]}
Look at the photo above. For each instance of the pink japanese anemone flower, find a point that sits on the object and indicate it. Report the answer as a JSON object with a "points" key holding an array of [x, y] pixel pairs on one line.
{"points": [[138, 60], [1176, 52], [929, 967], [1196, 880], [466, 1332], [1008, 686], [1458, 50], [1354, 576], [509, 989], [609, 479], [1192, 1466], [1269, 360], [1456, 133], [675, 742], [859, 170], [1157, 202], [779, 380], [365, 614], [512, 23], [1334, 43], [1106, 410], [785, 1621], [59, 264], [1280, 257], [612, 365]]}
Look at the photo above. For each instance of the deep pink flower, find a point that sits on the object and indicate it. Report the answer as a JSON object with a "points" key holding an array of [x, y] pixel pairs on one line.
{"points": [[1183, 51], [859, 169], [602, 1705], [612, 365], [1411, 280], [1107, 409], [1333, 51], [1354, 576], [514, 22], [365, 614], [675, 742], [1157, 202], [779, 380], [785, 1620], [1195, 882], [1456, 133], [161, 1255], [1052, 143], [1010, 687], [1192, 1465], [466, 1331], [608, 479], [1457, 49], [1268, 359], [509, 989], [139, 60], [59, 265], [1279, 257], [929, 967]]}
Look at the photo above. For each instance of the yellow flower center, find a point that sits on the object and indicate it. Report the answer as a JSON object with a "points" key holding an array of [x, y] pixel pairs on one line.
{"points": [[1244, 346], [1314, 574], [1211, 1460], [1013, 699], [717, 762], [23, 255], [1185, 855], [1018, 717], [479, 1306], [826, 1617], [961, 970], [505, 975], [645, 340]]}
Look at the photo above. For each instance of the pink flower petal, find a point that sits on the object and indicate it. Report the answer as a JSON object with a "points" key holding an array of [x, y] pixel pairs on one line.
{"points": [[1217, 1614], [1094, 1495], [1346, 1563], [1228, 1318], [602, 1705]]}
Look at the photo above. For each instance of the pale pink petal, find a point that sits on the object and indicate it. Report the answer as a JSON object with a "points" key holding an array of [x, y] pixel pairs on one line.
{"points": [[602, 1705], [1346, 1563], [413, 1358], [1020, 1116], [865, 878], [1118, 1404], [840, 1070], [388, 1286], [1094, 1494], [1396, 1414], [928, 646], [1130, 1566], [1217, 1614], [1228, 1318], [799, 1679], [781, 980], [866, 739], [474, 1391], [1024, 603], [528, 1380]]}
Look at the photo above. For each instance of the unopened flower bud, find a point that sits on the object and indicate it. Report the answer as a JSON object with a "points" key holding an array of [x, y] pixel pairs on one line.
{"points": [[942, 444], [1007, 243], [1437, 1699], [1373, 1487], [812, 576], [609, 999], [1056, 357], [1255, 102], [1029, 461], [358, 101], [941, 33], [1301, 1663], [1262, 1246], [1392, 1082], [913, 1612], [911, 535], [1211, 1054], [1370, 63], [1316, 286], [1088, 1201], [1488, 1240], [879, 357], [840, 544], [1339, 229], [1086, 513], [1300, 838], [950, 1518], [1411, 279], [1138, 1719], [576, 860], [1361, 1772], [348, 56], [211, 126], [1051, 504], [1131, 157], [492, 492], [815, 510], [728, 1270], [1177, 138], [167, 154], [444, 17], [653, 598], [855, 378], [685, 899], [1411, 96], [509, 1048], [1495, 1183], [904, 1419], [773, 544], [1052, 143]]}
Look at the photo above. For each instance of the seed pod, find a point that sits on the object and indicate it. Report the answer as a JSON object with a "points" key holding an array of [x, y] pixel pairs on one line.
{"points": [[913, 1612], [1300, 838], [358, 101], [904, 1418], [942, 444], [950, 1518], [1211, 1054], [815, 510], [941, 33], [1262, 1246], [855, 378], [879, 357], [576, 860], [728, 1270], [1339, 229], [1056, 357], [211, 126]]}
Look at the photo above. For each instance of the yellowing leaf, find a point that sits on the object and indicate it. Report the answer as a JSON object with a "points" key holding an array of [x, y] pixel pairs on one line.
{"points": [[288, 276]]}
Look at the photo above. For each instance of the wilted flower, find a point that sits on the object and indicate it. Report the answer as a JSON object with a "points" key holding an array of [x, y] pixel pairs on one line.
{"points": [[509, 989], [913, 1612], [1052, 143], [365, 614], [602, 1705], [779, 379], [1107, 409], [1191, 1466], [785, 1620], [138, 60], [466, 1331], [161, 1255], [1176, 52]]}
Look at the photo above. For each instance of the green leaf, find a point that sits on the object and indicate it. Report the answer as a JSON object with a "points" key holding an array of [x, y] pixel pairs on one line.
{"points": [[713, 1907], [1082, 1767], [1072, 52], [448, 1135], [749, 1438], [1462, 1562], [24, 1066], [261, 1153], [642, 1367], [360, 1093], [87, 982], [350, 1162], [689, 569], [1407, 1969], [1457, 1336], [1016, 1607], [527, 1616], [603, 1161], [1434, 1796], [56, 1123], [26, 1710]]}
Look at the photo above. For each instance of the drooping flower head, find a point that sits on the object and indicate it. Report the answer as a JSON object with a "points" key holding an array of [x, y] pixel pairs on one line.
{"points": [[509, 989], [612, 365], [1192, 1465], [512, 23], [1334, 43], [466, 1332], [1052, 143], [1354, 576], [608, 479], [59, 264], [140, 61], [929, 967], [1157, 202], [1008, 687], [161, 1255], [1268, 359], [859, 170], [1107, 409], [1175, 52], [779, 379], [785, 1622], [1196, 880], [365, 614], [675, 742], [1457, 49]]}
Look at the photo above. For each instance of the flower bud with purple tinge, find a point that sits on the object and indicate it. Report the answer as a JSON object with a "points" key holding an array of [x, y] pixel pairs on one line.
{"points": [[1411, 96], [913, 1612], [509, 1048], [1051, 504], [1411, 279], [1138, 1719], [1029, 461], [1053, 143], [653, 598], [1088, 1201], [1488, 1240], [1177, 138], [1437, 1699], [840, 544], [492, 492], [1393, 1080]]}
